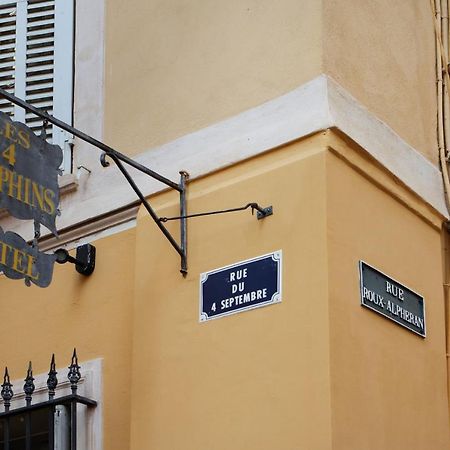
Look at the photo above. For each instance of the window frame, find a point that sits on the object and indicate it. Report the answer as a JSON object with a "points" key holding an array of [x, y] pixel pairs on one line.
{"points": [[63, 69], [89, 420]]}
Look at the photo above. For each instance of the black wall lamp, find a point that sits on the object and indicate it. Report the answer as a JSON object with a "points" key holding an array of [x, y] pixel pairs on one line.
{"points": [[84, 260]]}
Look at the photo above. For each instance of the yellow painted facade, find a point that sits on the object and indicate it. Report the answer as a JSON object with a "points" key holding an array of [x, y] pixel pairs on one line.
{"points": [[287, 375], [316, 371], [376, 370], [200, 63]]}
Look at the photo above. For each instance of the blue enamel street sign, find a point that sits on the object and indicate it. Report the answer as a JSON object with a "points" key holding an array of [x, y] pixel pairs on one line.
{"points": [[239, 287], [391, 299]]}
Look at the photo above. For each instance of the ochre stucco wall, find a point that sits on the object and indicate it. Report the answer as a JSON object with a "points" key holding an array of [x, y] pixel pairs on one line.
{"points": [[314, 371], [383, 53], [173, 67], [92, 314], [254, 380], [262, 379], [388, 385], [181, 66]]}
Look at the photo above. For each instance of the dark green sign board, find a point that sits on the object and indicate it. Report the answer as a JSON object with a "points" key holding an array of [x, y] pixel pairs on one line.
{"points": [[29, 169], [391, 299]]}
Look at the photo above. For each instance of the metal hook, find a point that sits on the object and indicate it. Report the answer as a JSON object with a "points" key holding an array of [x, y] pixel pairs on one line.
{"points": [[103, 161]]}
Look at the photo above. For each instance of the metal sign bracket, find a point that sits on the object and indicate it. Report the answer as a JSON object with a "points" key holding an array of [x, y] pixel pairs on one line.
{"points": [[181, 188], [120, 160]]}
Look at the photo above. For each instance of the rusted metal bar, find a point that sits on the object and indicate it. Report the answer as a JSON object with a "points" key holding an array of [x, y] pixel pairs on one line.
{"points": [[96, 143]]}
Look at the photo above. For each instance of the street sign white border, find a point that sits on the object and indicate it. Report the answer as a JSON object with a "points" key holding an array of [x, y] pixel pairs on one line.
{"points": [[276, 297]]}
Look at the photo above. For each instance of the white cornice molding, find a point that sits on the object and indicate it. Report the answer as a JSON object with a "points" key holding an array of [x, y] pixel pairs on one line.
{"points": [[315, 106], [386, 147]]}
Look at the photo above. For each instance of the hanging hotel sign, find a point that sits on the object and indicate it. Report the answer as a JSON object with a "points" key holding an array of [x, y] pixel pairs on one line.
{"points": [[20, 260], [391, 299], [241, 286], [29, 168]]}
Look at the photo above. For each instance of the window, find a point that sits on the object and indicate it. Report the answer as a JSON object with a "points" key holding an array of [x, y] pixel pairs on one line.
{"points": [[47, 427], [48, 424], [36, 62]]}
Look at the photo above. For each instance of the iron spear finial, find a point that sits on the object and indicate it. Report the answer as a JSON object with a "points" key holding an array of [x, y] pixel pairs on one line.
{"points": [[7, 392], [29, 387], [52, 380], [74, 374]]}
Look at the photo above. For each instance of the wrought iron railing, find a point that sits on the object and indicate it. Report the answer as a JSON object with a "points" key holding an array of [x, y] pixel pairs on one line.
{"points": [[39, 426]]}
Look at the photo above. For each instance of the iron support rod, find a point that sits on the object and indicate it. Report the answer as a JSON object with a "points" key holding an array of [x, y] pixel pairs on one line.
{"points": [[147, 206], [107, 149], [211, 213], [183, 223]]}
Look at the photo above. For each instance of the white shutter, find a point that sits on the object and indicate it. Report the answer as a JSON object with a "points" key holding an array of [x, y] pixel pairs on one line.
{"points": [[7, 52], [38, 34], [39, 59]]}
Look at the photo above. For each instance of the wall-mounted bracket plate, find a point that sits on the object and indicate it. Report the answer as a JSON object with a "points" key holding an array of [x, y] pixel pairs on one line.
{"points": [[264, 213]]}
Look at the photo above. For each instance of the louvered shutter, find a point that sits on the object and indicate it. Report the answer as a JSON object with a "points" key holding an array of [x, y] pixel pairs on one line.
{"points": [[36, 62], [7, 51]]}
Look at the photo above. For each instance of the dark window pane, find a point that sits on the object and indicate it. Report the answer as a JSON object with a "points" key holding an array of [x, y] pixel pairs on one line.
{"points": [[17, 432], [2, 431], [40, 429], [45, 427]]}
